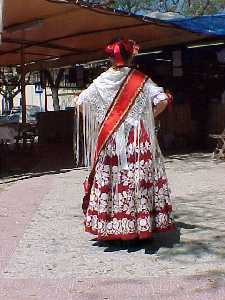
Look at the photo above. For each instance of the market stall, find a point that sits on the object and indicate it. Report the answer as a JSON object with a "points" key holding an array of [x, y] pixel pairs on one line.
{"points": [[45, 34]]}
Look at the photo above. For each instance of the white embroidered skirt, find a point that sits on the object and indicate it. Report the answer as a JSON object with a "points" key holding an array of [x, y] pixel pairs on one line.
{"points": [[133, 203]]}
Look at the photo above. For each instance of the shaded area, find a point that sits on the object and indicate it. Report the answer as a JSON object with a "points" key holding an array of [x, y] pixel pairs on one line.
{"points": [[38, 161], [151, 246], [49, 151], [192, 162], [206, 237]]}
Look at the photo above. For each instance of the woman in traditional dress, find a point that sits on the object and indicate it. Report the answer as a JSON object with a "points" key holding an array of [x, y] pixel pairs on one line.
{"points": [[126, 194]]}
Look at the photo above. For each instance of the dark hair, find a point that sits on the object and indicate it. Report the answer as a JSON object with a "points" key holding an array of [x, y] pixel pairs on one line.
{"points": [[125, 55]]}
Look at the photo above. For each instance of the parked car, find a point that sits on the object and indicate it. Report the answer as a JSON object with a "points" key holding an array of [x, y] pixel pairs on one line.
{"points": [[15, 115]]}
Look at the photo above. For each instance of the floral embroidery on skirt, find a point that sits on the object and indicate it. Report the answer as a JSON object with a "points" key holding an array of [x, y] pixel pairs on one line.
{"points": [[133, 203]]}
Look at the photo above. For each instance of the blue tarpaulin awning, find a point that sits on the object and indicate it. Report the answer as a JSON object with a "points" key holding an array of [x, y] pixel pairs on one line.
{"points": [[212, 25]]}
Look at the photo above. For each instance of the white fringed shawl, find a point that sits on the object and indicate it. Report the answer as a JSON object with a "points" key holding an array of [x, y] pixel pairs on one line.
{"points": [[95, 101]]}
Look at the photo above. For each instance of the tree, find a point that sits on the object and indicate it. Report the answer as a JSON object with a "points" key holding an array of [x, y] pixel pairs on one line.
{"points": [[201, 7], [132, 6], [10, 85], [54, 85], [192, 7], [185, 7]]}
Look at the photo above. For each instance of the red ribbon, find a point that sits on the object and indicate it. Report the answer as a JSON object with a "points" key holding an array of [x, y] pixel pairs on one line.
{"points": [[114, 51], [117, 55]]}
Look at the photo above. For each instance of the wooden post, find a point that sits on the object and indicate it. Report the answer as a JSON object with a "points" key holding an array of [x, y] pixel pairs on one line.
{"points": [[46, 99], [23, 87]]}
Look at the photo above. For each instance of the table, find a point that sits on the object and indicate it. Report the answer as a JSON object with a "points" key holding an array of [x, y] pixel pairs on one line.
{"points": [[219, 152]]}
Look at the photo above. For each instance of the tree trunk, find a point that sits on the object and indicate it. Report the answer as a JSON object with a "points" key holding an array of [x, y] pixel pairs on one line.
{"points": [[54, 86], [55, 97], [8, 105], [10, 101]]}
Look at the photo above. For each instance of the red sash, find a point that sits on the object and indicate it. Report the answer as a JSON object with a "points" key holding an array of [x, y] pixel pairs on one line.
{"points": [[115, 115]]}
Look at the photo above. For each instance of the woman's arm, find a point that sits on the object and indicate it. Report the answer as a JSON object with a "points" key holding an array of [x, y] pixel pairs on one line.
{"points": [[160, 107], [159, 97]]}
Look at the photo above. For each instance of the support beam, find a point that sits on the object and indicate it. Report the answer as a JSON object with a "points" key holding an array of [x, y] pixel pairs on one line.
{"points": [[23, 86], [46, 99], [67, 60], [30, 44], [50, 43]]}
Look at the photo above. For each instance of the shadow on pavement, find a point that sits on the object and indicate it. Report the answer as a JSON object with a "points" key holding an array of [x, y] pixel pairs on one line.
{"points": [[191, 162], [200, 238], [200, 221], [150, 246], [163, 240], [42, 160]]}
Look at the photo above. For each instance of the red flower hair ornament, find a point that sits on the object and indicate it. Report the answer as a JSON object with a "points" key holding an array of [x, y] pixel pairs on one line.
{"points": [[114, 50]]}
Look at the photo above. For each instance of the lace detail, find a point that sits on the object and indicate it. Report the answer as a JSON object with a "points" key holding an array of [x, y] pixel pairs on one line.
{"points": [[150, 93], [92, 97], [96, 100]]}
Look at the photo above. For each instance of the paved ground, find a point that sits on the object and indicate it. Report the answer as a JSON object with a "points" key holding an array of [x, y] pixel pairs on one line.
{"points": [[44, 253]]}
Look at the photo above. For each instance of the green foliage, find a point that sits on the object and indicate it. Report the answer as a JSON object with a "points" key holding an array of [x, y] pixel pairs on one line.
{"points": [[9, 86], [132, 6], [204, 7], [185, 7]]}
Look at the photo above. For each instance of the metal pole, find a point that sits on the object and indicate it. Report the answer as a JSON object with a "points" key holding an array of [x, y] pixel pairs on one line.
{"points": [[40, 101], [23, 86]]}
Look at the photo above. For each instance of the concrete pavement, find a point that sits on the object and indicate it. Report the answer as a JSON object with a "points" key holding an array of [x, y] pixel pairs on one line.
{"points": [[46, 255]]}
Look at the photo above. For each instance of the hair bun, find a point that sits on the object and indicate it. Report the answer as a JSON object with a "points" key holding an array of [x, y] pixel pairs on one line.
{"points": [[119, 49]]}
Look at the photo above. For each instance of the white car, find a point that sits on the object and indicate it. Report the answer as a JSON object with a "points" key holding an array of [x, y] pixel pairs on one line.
{"points": [[15, 115]]}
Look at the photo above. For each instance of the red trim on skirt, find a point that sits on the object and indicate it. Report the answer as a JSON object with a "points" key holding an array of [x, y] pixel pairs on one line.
{"points": [[130, 236], [133, 216]]}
